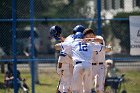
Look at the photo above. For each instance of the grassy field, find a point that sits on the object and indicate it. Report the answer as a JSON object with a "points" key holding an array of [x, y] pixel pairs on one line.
{"points": [[133, 81], [49, 79]]}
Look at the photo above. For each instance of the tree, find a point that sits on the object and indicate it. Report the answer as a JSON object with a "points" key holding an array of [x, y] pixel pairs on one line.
{"points": [[61, 9], [121, 31]]}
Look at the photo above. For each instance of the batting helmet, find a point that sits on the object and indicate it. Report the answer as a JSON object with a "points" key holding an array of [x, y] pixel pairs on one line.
{"points": [[78, 35], [78, 28], [55, 32]]}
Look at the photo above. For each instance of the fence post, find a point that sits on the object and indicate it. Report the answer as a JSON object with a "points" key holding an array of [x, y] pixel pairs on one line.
{"points": [[99, 31], [32, 43], [14, 44]]}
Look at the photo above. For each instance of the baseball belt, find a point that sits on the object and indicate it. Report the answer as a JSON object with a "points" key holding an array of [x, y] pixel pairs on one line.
{"points": [[101, 63], [78, 62]]}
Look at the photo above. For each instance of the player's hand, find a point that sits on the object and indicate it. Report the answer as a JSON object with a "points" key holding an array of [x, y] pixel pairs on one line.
{"points": [[109, 46]]}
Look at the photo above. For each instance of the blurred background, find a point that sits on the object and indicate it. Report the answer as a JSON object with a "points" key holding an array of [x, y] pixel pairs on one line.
{"points": [[25, 39]]}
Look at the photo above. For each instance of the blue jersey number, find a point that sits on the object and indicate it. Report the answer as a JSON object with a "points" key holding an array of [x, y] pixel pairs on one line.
{"points": [[82, 46]]}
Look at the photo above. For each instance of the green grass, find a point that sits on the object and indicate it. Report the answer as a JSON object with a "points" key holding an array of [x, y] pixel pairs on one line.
{"points": [[133, 81], [49, 80]]}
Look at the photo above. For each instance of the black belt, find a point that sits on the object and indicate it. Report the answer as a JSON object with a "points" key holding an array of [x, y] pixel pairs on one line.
{"points": [[97, 63], [78, 62]]}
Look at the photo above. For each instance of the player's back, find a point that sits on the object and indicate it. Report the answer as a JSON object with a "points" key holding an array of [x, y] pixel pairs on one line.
{"points": [[69, 38], [81, 51]]}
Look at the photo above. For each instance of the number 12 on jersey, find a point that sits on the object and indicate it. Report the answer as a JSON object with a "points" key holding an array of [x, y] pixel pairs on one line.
{"points": [[82, 46]]}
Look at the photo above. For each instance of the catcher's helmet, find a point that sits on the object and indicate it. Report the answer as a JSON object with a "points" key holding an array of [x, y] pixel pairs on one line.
{"points": [[78, 35], [55, 32], [78, 28]]}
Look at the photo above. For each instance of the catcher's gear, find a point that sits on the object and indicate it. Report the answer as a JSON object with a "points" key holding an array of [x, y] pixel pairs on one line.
{"points": [[55, 32], [78, 35], [78, 28]]}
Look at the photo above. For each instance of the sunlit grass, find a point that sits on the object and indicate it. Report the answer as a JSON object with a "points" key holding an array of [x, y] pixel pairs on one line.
{"points": [[49, 80]]}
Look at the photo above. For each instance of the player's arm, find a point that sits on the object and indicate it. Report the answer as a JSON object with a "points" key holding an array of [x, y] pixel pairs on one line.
{"points": [[107, 48], [100, 47], [96, 47], [94, 40], [61, 39], [98, 40], [63, 45], [58, 46]]}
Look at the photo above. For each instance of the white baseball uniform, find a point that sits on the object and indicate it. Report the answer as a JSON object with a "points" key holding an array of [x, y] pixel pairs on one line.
{"points": [[110, 69], [67, 66], [98, 68], [82, 53]]}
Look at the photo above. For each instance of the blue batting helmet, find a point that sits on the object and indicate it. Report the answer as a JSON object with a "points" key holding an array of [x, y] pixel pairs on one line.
{"points": [[78, 28], [78, 35], [55, 32]]}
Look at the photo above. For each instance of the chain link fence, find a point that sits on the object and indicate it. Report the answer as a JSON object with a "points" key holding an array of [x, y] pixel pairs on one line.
{"points": [[25, 39]]}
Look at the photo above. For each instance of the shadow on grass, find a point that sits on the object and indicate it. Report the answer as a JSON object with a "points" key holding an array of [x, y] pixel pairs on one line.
{"points": [[2, 85], [44, 84]]}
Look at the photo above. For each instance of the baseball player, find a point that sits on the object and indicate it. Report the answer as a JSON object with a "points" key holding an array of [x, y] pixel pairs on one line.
{"points": [[81, 53], [98, 65], [65, 67], [66, 61], [99, 68], [111, 70]]}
